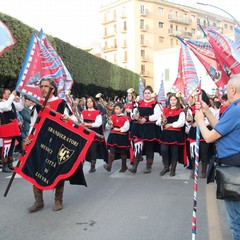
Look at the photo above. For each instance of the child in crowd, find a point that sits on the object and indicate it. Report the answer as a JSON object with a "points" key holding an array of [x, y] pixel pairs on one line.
{"points": [[118, 139]]}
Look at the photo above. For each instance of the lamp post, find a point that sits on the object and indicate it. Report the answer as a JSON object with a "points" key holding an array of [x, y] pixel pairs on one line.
{"points": [[234, 19]]}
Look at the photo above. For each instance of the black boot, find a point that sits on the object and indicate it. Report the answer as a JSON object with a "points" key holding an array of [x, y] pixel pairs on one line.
{"points": [[166, 167], [124, 167], [108, 166], [10, 163], [204, 170], [173, 169], [5, 167], [148, 166], [133, 169], [92, 168]]}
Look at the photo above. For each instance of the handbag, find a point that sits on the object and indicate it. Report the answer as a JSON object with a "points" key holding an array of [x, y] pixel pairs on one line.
{"points": [[228, 182]]}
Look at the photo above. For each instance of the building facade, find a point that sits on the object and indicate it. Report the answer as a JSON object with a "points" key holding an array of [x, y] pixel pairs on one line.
{"points": [[132, 30]]}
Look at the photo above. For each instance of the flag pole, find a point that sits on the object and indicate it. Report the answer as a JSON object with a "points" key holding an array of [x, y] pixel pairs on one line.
{"points": [[18, 163], [195, 187]]}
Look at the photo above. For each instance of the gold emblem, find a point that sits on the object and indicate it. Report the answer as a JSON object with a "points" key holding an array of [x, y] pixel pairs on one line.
{"points": [[64, 154]]}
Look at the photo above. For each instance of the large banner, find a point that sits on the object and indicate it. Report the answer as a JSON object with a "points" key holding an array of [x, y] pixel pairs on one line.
{"points": [[56, 150]]}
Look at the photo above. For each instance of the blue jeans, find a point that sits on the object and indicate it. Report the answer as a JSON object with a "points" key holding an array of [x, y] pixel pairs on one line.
{"points": [[233, 214]]}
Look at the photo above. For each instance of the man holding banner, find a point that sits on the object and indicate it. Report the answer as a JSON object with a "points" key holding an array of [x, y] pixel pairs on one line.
{"points": [[54, 149]]}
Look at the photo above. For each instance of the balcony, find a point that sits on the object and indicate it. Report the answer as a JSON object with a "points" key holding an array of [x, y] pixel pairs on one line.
{"points": [[177, 19], [144, 12], [109, 49], [174, 33], [145, 58], [145, 73], [123, 15], [109, 20], [144, 43], [123, 30], [109, 35], [124, 44], [187, 34], [144, 28]]}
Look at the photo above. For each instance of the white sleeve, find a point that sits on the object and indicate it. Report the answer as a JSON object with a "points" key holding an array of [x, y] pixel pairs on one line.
{"points": [[19, 105], [180, 122], [157, 113], [98, 121], [125, 127], [6, 106]]}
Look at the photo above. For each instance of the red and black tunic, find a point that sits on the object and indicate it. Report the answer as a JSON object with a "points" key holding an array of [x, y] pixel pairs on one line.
{"points": [[99, 145], [90, 117], [148, 131], [172, 135], [115, 138]]}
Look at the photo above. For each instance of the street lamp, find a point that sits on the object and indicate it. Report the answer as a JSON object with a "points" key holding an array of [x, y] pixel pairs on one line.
{"points": [[234, 19]]}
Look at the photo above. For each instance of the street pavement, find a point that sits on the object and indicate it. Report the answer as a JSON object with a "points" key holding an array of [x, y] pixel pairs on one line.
{"points": [[116, 206]]}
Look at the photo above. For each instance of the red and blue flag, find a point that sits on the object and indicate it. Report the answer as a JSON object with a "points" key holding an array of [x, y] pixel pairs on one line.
{"points": [[7, 40]]}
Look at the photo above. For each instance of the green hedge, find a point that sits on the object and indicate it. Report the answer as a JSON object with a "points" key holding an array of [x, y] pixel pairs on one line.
{"points": [[90, 74]]}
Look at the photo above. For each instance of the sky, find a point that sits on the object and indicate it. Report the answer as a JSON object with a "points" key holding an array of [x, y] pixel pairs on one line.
{"points": [[78, 21]]}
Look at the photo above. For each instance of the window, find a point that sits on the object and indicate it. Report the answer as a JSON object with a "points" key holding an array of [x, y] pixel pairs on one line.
{"points": [[198, 21], [161, 39], [185, 29], [160, 10], [176, 28], [171, 42], [125, 57], [105, 31], [231, 28], [142, 39], [141, 23], [143, 69], [143, 53], [160, 24], [177, 42], [125, 25], [171, 26], [225, 26], [193, 18], [142, 8], [193, 31]]}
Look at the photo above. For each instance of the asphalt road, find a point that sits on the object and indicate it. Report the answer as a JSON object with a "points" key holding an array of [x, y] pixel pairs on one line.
{"points": [[116, 206]]}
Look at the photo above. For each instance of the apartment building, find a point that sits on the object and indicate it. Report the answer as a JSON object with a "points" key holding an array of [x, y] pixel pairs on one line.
{"points": [[132, 30]]}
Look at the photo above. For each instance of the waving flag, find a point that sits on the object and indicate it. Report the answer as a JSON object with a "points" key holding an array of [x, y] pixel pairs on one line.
{"points": [[7, 40], [205, 54], [222, 50], [65, 83], [141, 88], [187, 79], [161, 93], [38, 64]]}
